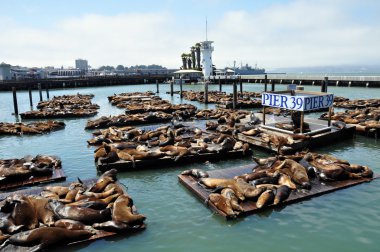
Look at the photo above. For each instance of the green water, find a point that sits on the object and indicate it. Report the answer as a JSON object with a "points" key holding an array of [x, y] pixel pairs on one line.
{"points": [[346, 220]]}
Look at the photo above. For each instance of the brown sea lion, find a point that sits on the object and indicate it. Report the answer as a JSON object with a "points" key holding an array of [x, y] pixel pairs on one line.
{"points": [[72, 225], [85, 215], [286, 180], [266, 198], [44, 214], [61, 191], [23, 212], [106, 178], [101, 195], [113, 226], [49, 195], [222, 203], [122, 212], [45, 237], [3, 237], [295, 171], [265, 162], [282, 193], [117, 188], [229, 194], [252, 176]]}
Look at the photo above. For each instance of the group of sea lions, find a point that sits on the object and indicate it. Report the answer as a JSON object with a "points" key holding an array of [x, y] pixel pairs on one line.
{"points": [[358, 103], [123, 99], [160, 105], [273, 179], [365, 119], [30, 128], [127, 120], [24, 168], [174, 141], [64, 214], [64, 106]]}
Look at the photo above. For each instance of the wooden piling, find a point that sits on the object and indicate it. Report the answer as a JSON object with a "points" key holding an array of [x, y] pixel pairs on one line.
{"points": [[171, 88], [30, 98], [15, 100], [206, 92], [265, 83], [241, 85], [273, 85], [324, 85], [180, 88], [47, 91], [40, 91], [220, 85], [234, 102], [157, 87]]}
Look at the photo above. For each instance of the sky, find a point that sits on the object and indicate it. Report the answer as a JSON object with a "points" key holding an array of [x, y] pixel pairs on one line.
{"points": [[272, 34]]}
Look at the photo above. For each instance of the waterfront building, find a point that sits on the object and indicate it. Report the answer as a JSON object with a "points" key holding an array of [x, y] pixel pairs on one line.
{"points": [[82, 65], [5, 71]]}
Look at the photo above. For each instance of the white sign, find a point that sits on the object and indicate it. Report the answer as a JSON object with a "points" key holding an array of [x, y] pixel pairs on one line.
{"points": [[298, 102]]}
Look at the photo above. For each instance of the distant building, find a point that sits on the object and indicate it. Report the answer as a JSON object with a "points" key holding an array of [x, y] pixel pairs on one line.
{"points": [[5, 71], [82, 65]]}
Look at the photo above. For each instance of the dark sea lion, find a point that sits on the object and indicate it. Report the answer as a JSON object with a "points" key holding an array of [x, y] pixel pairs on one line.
{"points": [[265, 162], [282, 193], [113, 226], [197, 173], [222, 204], [3, 237], [7, 224], [44, 214], [111, 157], [266, 180], [85, 215], [45, 237], [266, 198]]}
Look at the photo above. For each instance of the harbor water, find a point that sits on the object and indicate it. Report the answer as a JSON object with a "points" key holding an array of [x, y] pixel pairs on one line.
{"points": [[345, 220]]}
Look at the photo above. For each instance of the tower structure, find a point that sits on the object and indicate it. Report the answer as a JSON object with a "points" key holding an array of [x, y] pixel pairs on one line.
{"points": [[206, 50]]}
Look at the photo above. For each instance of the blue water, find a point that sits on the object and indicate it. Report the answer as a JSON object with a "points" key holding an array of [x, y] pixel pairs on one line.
{"points": [[346, 220]]}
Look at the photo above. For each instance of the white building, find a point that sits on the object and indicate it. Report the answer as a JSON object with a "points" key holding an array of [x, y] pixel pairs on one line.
{"points": [[206, 50], [81, 64], [5, 71]]}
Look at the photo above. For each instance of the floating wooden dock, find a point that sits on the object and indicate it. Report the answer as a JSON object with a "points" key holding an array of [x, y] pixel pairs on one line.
{"points": [[166, 161], [57, 175], [99, 233], [317, 189], [320, 136]]}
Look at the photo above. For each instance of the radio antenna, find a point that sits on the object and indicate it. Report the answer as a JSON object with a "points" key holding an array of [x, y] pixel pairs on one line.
{"points": [[206, 28]]}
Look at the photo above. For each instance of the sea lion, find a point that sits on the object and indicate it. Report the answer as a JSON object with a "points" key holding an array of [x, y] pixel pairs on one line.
{"points": [[266, 198], [229, 194], [286, 180], [122, 212], [59, 190], [197, 173], [295, 171], [106, 178], [45, 237], [113, 226], [117, 188], [72, 225], [3, 237], [265, 162], [223, 183], [222, 203], [111, 157], [266, 180], [101, 195], [23, 212], [7, 224], [43, 212], [252, 176], [282, 193], [85, 215]]}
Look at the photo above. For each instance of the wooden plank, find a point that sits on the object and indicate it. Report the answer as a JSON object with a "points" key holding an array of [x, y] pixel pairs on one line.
{"points": [[57, 175], [317, 188], [99, 233]]}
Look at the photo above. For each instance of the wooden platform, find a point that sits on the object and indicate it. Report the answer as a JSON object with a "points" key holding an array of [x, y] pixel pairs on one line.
{"points": [[57, 175], [122, 165], [250, 206], [99, 233]]}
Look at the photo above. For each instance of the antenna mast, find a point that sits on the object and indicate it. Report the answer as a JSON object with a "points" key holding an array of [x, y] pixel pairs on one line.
{"points": [[206, 28]]}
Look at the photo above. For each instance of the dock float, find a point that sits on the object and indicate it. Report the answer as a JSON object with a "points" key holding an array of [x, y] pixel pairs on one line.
{"points": [[249, 207]]}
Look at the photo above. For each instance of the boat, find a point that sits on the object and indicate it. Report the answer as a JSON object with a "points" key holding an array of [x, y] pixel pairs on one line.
{"points": [[248, 70]]}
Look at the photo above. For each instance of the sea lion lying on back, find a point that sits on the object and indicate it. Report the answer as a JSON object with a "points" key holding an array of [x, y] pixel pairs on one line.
{"points": [[295, 171], [222, 203], [197, 173], [105, 179]]}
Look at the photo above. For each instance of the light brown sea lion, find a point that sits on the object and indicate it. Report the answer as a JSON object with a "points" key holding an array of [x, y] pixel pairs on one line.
{"points": [[23, 212], [266, 198], [252, 176], [85, 215], [43, 212], [106, 178], [284, 179], [122, 212], [49, 195], [295, 171], [117, 188], [282, 193], [229, 194], [251, 132], [176, 151], [222, 203], [72, 225], [61, 191], [45, 237], [101, 195]]}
